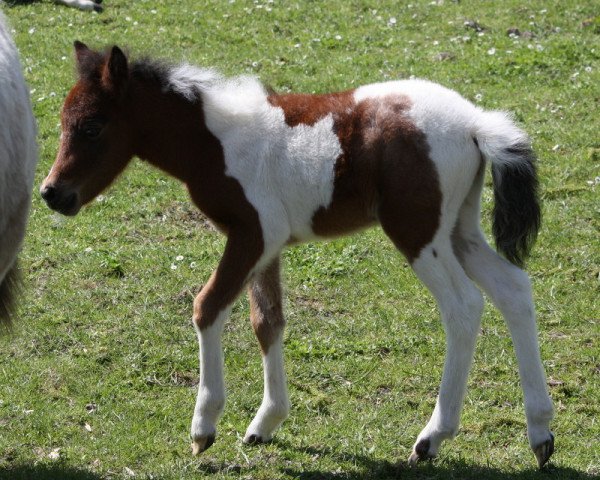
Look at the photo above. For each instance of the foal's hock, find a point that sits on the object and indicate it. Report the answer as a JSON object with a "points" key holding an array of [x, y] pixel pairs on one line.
{"points": [[273, 169]]}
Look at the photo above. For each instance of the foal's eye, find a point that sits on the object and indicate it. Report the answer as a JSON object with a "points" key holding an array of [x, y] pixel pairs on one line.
{"points": [[92, 129]]}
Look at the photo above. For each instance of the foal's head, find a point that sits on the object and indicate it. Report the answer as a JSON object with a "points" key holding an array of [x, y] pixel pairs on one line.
{"points": [[95, 144]]}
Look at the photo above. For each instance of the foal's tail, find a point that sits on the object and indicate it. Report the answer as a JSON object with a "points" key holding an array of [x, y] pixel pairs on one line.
{"points": [[517, 214], [10, 286]]}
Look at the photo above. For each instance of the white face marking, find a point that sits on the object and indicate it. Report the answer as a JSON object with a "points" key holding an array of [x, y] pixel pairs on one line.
{"points": [[286, 172]]}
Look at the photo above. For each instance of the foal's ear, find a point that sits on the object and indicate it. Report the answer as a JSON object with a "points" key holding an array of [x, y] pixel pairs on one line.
{"points": [[82, 53], [116, 71], [80, 48]]}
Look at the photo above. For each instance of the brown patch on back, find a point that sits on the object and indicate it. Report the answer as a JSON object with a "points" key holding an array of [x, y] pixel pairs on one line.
{"points": [[353, 202], [266, 312], [384, 172], [302, 108]]}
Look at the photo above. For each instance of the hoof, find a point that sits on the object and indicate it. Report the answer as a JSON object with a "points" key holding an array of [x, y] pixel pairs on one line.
{"points": [[254, 439], [98, 8], [544, 451], [201, 444], [420, 452]]}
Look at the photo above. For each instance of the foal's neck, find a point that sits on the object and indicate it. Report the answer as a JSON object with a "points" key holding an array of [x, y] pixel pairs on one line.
{"points": [[169, 132]]}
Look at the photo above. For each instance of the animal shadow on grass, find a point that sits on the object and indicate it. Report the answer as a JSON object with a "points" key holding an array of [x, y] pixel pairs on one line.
{"points": [[368, 468], [41, 471]]}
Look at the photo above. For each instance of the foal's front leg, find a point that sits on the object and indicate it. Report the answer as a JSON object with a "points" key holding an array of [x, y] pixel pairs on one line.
{"points": [[268, 322], [211, 309]]}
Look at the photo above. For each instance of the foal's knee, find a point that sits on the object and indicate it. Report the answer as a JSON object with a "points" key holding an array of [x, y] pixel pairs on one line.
{"points": [[268, 329], [463, 314], [513, 292], [206, 310]]}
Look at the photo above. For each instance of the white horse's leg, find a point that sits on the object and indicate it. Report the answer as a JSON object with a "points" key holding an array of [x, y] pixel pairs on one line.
{"points": [[83, 4], [461, 305], [268, 323]]}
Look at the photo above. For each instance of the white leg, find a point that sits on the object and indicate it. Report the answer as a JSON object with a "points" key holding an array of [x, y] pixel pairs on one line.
{"points": [[211, 308], [461, 305], [211, 389], [268, 322], [275, 406], [509, 288]]}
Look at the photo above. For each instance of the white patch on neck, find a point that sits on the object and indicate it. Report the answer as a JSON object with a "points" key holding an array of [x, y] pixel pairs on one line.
{"points": [[189, 81], [286, 172]]}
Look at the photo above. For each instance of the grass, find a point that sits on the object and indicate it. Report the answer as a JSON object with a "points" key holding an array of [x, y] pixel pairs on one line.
{"points": [[98, 381]]}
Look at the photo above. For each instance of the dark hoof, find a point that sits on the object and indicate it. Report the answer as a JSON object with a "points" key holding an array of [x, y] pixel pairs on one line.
{"points": [[202, 444], [544, 451], [420, 452], [97, 8], [253, 440]]}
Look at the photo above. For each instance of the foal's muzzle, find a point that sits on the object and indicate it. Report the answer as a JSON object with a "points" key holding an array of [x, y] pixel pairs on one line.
{"points": [[61, 200]]}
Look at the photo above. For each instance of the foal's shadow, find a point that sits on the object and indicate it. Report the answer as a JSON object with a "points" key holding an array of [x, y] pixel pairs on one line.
{"points": [[58, 471], [369, 468]]}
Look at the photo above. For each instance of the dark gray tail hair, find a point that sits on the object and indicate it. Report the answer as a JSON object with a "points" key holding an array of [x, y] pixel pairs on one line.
{"points": [[10, 288], [517, 214]]}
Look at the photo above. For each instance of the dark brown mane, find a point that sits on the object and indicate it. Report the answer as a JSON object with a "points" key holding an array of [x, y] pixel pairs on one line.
{"points": [[145, 69]]}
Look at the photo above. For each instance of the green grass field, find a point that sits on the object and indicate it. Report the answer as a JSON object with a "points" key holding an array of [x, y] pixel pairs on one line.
{"points": [[98, 380]]}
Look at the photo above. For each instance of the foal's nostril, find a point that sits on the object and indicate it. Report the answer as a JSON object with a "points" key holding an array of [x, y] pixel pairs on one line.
{"points": [[48, 193]]}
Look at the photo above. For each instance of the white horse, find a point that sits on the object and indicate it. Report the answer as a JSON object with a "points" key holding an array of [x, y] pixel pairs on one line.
{"points": [[18, 158], [83, 4]]}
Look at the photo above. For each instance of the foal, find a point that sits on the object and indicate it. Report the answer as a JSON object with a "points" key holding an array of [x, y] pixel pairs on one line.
{"points": [[18, 158], [271, 169]]}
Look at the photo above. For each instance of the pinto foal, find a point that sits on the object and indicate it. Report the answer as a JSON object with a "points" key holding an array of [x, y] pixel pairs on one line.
{"points": [[271, 169]]}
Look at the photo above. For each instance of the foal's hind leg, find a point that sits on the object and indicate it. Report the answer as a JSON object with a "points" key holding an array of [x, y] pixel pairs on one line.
{"points": [[461, 305], [268, 322], [509, 289]]}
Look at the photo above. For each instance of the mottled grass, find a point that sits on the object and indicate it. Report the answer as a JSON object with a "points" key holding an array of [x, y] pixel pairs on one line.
{"points": [[98, 381]]}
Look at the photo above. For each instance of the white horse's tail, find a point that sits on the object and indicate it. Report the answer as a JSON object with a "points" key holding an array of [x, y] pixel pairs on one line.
{"points": [[517, 213], [10, 287]]}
